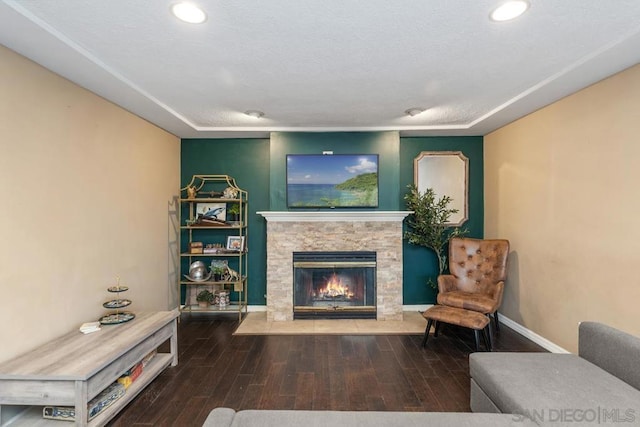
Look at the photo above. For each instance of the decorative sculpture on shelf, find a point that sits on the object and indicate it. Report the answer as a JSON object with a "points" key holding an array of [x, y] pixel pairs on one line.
{"points": [[231, 275], [230, 193], [191, 192]]}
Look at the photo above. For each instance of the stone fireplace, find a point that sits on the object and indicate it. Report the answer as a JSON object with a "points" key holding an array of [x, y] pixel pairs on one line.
{"points": [[330, 231]]}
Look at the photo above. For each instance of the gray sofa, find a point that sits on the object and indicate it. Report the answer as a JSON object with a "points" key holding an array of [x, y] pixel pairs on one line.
{"points": [[220, 417], [599, 386]]}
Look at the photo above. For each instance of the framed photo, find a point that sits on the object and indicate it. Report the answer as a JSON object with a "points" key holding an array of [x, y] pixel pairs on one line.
{"points": [[235, 243], [212, 210]]}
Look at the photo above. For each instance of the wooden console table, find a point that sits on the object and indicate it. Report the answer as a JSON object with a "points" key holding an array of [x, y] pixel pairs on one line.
{"points": [[72, 369]]}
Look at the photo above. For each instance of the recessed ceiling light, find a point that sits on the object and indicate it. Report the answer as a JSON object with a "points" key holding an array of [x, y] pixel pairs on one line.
{"points": [[189, 12], [509, 10], [414, 111], [254, 113]]}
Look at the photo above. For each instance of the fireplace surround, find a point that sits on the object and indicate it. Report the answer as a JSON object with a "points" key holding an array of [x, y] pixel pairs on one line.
{"points": [[305, 231]]}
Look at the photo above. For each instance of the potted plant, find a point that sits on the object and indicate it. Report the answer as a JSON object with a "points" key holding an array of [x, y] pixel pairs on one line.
{"points": [[204, 298], [427, 226], [218, 272], [233, 211]]}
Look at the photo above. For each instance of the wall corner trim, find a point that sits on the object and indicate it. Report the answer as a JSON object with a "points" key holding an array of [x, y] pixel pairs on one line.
{"points": [[527, 333]]}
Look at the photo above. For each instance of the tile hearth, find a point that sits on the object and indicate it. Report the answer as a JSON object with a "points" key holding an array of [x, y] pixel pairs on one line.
{"points": [[256, 324]]}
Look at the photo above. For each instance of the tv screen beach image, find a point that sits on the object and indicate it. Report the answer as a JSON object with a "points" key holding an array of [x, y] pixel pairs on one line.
{"points": [[331, 181]]}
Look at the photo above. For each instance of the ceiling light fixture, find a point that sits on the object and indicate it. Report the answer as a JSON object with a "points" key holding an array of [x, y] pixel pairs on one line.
{"points": [[254, 113], [414, 111], [509, 10], [189, 12]]}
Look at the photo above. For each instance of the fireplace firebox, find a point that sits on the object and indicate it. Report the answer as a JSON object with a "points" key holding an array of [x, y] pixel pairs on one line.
{"points": [[339, 285]]}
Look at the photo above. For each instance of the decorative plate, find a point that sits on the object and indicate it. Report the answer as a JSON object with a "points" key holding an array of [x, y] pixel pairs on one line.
{"points": [[117, 303], [118, 288], [116, 318]]}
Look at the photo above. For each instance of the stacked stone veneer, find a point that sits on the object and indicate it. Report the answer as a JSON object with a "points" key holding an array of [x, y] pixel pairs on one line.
{"points": [[284, 238]]}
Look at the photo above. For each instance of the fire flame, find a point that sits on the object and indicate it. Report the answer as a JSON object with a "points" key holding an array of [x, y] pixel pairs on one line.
{"points": [[334, 288]]}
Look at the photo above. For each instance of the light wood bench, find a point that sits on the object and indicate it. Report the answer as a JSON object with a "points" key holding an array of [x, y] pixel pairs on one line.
{"points": [[72, 369]]}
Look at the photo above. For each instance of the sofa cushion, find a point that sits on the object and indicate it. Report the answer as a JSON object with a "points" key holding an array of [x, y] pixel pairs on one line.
{"points": [[220, 417], [276, 418], [550, 385], [595, 344], [480, 402]]}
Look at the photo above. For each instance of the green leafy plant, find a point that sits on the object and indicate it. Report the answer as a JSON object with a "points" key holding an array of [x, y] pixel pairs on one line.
{"points": [[233, 209], [205, 295], [427, 225], [218, 272]]}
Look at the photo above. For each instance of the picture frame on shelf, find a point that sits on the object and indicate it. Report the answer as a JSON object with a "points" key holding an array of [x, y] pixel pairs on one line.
{"points": [[212, 210], [235, 243]]}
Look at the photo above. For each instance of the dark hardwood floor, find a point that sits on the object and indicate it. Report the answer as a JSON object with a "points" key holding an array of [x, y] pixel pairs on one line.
{"points": [[376, 373]]}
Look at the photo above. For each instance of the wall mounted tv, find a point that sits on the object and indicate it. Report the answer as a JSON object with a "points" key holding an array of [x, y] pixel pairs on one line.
{"points": [[332, 181]]}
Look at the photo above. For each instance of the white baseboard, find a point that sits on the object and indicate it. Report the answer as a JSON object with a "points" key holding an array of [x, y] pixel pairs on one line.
{"points": [[256, 308], [528, 333]]}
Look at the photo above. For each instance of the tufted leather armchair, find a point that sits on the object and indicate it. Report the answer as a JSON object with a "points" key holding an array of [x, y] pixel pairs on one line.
{"points": [[478, 271]]}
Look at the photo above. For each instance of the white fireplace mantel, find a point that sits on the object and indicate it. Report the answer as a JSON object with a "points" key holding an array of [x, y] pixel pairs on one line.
{"points": [[331, 215]]}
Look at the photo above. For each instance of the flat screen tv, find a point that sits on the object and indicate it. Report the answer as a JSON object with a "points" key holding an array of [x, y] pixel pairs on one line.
{"points": [[332, 181]]}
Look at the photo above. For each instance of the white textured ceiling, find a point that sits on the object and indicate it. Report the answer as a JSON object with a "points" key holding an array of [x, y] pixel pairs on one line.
{"points": [[326, 65]]}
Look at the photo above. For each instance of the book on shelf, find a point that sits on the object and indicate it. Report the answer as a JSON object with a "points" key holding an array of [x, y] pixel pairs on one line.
{"points": [[131, 375], [99, 403], [210, 221], [135, 371]]}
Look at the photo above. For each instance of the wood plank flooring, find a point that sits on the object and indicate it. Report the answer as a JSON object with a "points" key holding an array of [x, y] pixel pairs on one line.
{"points": [[376, 373]]}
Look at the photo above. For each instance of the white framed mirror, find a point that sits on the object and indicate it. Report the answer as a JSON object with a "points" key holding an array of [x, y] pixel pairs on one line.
{"points": [[447, 173]]}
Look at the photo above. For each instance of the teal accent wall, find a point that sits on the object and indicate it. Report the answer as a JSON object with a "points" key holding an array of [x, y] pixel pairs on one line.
{"points": [[246, 160], [258, 165], [420, 263], [385, 144]]}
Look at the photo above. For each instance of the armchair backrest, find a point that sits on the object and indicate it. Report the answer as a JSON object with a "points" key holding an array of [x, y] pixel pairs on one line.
{"points": [[478, 265]]}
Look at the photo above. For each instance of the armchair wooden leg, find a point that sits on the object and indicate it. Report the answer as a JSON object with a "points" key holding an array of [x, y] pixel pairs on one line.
{"points": [[437, 329], [476, 334], [426, 332], [486, 336], [489, 328]]}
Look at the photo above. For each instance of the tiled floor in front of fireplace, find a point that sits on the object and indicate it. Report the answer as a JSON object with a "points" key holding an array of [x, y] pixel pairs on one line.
{"points": [[256, 324]]}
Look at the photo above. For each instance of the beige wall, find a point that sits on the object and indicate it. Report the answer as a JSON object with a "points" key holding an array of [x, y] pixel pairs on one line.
{"points": [[86, 192], [563, 185]]}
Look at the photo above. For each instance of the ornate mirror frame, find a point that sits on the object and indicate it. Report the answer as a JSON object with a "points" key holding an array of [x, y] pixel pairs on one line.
{"points": [[447, 172]]}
